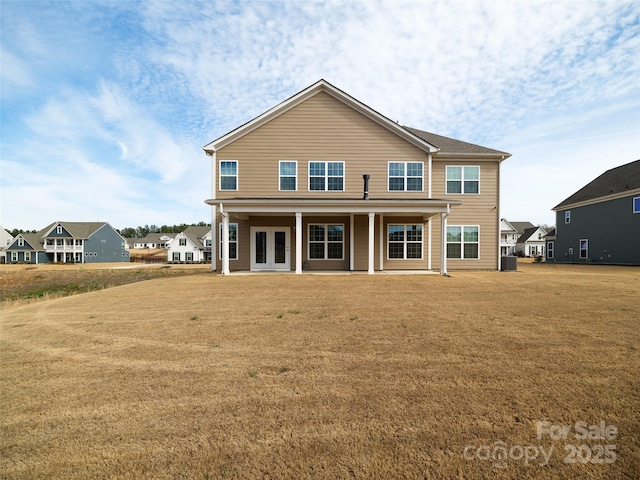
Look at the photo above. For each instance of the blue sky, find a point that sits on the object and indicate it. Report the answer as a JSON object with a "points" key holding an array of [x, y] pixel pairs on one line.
{"points": [[106, 105]]}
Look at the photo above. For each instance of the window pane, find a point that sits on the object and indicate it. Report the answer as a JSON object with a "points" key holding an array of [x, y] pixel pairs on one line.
{"points": [[414, 184], [228, 168], [414, 169], [396, 250], [454, 250], [228, 183], [316, 250], [335, 183], [288, 168], [471, 187], [233, 251], [396, 233], [414, 233], [316, 233], [396, 184], [287, 183], [316, 183], [470, 250], [233, 232], [396, 169], [414, 250], [334, 250], [454, 173], [454, 187], [316, 168], [335, 169], [454, 234], [470, 234], [334, 233], [471, 173]]}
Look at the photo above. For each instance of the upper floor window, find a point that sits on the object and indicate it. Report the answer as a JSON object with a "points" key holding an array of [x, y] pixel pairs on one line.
{"points": [[463, 241], [406, 176], [182, 242], [59, 230], [463, 180], [636, 205], [288, 175], [404, 242], [326, 176], [228, 175], [21, 242], [567, 216]]}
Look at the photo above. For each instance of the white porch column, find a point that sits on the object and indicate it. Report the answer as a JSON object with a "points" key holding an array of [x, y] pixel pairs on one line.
{"points": [[443, 243], [351, 242], [298, 242], [381, 242], [372, 217], [214, 239], [429, 244], [225, 242]]}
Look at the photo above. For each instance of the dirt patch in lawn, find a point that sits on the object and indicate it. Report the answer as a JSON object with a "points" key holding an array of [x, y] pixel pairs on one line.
{"points": [[285, 376]]}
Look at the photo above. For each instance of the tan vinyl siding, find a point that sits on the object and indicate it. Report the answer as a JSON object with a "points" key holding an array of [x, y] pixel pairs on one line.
{"points": [[481, 209], [324, 129]]}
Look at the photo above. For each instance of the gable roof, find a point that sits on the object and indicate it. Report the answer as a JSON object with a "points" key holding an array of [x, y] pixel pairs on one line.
{"points": [[195, 234], [508, 227], [530, 231], [419, 138], [452, 146], [75, 229], [522, 226], [34, 240], [613, 182]]}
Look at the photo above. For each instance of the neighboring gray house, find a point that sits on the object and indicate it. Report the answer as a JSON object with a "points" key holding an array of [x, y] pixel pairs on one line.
{"points": [[601, 221], [191, 245], [74, 242], [5, 241]]}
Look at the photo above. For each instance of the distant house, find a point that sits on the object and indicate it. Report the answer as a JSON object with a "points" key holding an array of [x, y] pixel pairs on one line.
{"points": [[69, 242], [550, 241], [153, 240], [531, 243], [601, 221], [191, 245], [5, 241], [508, 238]]}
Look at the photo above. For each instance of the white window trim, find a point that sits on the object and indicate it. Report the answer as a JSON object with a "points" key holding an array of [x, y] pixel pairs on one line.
{"points": [[446, 181], [14, 256], [326, 176], [280, 176], [567, 216], [636, 204], [230, 242], [405, 241], [550, 249], [59, 230], [27, 256], [326, 241], [220, 176], [405, 176], [462, 242], [21, 242]]}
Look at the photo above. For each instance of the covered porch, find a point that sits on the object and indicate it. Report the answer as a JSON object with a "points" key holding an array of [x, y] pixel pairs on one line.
{"points": [[335, 235]]}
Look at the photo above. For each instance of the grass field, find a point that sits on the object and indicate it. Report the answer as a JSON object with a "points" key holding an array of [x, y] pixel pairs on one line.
{"points": [[285, 376]]}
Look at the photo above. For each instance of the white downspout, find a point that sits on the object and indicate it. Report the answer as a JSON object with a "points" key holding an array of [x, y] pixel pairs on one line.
{"points": [[381, 242], [214, 216], [225, 241], [372, 217], [298, 242], [443, 248], [351, 242]]}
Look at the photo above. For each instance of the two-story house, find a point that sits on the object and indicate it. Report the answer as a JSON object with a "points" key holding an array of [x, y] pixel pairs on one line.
{"points": [[73, 242], [508, 238], [601, 221], [323, 182], [191, 245], [5, 240]]}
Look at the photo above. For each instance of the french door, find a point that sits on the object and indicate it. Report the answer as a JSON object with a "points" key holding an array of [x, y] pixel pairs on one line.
{"points": [[270, 248]]}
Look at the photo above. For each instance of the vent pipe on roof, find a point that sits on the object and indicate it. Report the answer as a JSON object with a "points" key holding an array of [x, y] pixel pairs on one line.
{"points": [[366, 177]]}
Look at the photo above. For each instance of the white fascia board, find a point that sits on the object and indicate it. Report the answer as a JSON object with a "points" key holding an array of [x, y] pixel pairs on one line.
{"points": [[320, 86], [481, 157], [606, 198]]}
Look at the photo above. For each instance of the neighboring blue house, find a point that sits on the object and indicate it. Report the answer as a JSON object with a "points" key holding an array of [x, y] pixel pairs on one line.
{"points": [[601, 221], [69, 242]]}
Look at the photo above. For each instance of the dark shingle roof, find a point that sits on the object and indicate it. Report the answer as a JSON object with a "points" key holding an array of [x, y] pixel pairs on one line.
{"points": [[451, 145], [522, 226], [616, 180]]}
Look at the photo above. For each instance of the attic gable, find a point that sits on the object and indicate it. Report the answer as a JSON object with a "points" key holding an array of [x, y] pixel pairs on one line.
{"points": [[321, 86]]}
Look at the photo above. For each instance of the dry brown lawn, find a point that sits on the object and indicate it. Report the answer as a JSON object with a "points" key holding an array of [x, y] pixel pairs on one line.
{"points": [[292, 377]]}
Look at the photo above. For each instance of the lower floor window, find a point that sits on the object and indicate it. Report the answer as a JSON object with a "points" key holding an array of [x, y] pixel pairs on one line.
{"points": [[326, 242], [549, 249], [463, 241], [233, 242], [176, 256], [584, 248], [404, 242], [14, 256], [188, 256], [27, 256]]}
